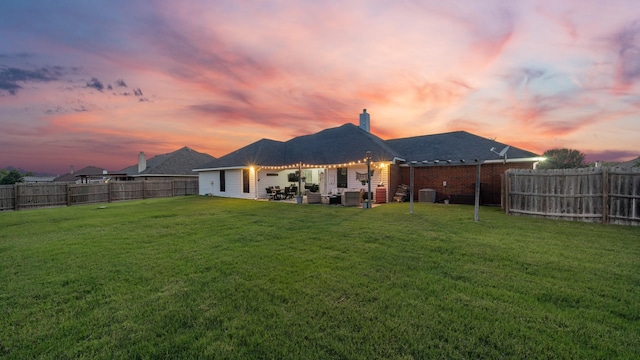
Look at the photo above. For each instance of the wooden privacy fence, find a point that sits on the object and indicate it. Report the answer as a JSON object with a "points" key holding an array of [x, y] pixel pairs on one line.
{"points": [[606, 195], [28, 196]]}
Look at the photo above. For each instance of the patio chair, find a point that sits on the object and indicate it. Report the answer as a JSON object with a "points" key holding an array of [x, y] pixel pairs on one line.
{"points": [[289, 193], [278, 194], [293, 190], [270, 193]]}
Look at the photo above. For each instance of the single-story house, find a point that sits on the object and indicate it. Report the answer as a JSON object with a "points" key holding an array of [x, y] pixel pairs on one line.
{"points": [[171, 166], [39, 179], [630, 164], [335, 161], [87, 174]]}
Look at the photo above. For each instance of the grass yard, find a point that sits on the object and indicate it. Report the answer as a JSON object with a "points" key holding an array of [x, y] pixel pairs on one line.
{"points": [[204, 277]]}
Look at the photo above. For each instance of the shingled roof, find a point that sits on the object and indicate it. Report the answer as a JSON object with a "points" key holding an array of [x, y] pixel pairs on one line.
{"points": [[263, 152], [631, 163], [348, 143], [179, 162], [337, 145], [457, 145], [85, 171]]}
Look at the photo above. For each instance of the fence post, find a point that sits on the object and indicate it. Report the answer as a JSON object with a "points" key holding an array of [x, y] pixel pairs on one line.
{"points": [[506, 182], [605, 195], [16, 197]]}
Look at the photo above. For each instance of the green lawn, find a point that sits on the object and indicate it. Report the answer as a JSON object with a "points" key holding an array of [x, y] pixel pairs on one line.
{"points": [[236, 279]]}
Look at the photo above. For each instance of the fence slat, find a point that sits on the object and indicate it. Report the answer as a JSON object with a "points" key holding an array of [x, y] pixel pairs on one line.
{"points": [[28, 196], [7, 197], [607, 195]]}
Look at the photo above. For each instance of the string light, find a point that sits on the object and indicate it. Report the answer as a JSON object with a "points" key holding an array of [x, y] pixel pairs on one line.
{"points": [[380, 165]]}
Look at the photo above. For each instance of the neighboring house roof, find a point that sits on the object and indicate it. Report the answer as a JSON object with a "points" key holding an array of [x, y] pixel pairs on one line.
{"points": [[631, 163], [37, 179], [457, 145], [85, 171], [337, 145], [179, 162]]}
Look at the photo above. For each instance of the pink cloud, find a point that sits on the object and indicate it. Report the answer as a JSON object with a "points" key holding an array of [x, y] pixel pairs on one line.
{"points": [[219, 75], [626, 44]]}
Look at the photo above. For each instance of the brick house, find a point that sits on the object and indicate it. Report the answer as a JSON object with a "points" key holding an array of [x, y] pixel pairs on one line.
{"points": [[447, 163], [333, 161]]}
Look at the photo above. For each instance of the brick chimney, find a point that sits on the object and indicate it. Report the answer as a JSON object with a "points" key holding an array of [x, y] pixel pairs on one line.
{"points": [[365, 121], [71, 170], [142, 162]]}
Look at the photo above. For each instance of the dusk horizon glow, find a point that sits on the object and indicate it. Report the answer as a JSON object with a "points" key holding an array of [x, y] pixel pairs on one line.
{"points": [[93, 84]]}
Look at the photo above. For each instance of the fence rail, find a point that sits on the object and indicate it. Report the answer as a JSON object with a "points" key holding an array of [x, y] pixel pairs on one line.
{"points": [[29, 196], [606, 195]]}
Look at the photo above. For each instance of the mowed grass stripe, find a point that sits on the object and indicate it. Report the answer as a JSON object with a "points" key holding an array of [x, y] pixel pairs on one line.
{"points": [[212, 277]]}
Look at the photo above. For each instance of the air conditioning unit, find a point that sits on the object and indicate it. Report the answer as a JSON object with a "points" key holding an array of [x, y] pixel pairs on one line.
{"points": [[427, 195]]}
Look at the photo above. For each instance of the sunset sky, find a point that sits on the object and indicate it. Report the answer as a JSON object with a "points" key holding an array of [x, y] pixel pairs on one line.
{"points": [[96, 82]]}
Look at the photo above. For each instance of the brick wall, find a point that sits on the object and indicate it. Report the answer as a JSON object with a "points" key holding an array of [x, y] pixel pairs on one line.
{"points": [[461, 180]]}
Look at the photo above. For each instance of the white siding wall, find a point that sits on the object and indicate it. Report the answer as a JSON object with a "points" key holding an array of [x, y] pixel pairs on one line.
{"points": [[233, 184], [207, 182]]}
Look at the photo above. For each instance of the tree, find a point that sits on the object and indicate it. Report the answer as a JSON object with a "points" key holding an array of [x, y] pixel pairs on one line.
{"points": [[11, 177], [562, 159]]}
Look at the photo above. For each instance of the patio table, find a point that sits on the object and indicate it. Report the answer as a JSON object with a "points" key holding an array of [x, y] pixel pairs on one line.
{"points": [[278, 194]]}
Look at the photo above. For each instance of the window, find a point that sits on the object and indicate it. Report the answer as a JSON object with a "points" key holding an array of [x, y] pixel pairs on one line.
{"points": [[222, 181], [245, 181], [308, 176], [342, 177]]}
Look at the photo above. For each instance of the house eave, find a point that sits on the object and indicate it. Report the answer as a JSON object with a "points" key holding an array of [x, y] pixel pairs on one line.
{"points": [[221, 168], [162, 175], [516, 160], [398, 160], [471, 162]]}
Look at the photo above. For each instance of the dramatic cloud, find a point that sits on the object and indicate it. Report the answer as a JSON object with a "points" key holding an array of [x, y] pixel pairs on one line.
{"points": [[136, 92], [10, 77], [627, 45], [218, 75], [95, 84]]}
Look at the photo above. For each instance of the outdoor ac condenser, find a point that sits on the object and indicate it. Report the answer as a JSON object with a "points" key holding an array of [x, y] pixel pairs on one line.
{"points": [[427, 195]]}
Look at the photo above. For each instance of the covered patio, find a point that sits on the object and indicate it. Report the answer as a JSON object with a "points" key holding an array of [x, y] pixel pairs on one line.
{"points": [[345, 183]]}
